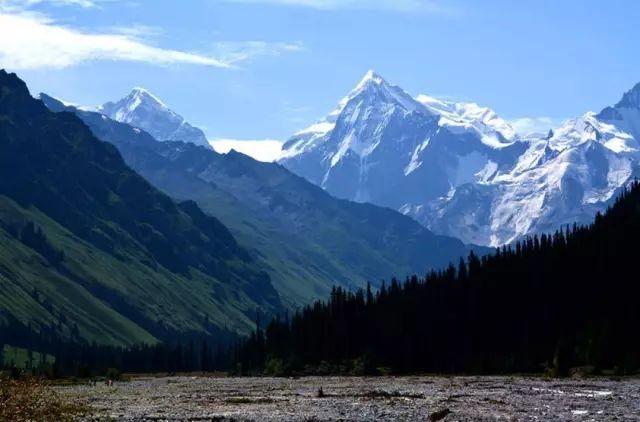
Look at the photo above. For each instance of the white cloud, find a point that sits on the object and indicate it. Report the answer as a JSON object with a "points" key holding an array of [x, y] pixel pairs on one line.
{"points": [[267, 150], [233, 52], [33, 41], [81, 3], [137, 32], [524, 125], [29, 41], [432, 6], [15, 5]]}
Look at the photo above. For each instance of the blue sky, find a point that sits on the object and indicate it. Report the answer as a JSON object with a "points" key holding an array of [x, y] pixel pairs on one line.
{"points": [[262, 69]]}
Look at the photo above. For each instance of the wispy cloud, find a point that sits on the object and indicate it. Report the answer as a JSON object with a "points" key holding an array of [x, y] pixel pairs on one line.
{"points": [[138, 31], [430, 6], [32, 41], [233, 52], [524, 125], [267, 150], [15, 5]]}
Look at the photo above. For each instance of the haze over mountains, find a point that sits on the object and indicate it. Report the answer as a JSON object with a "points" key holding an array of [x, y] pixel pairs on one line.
{"points": [[456, 168], [304, 238], [461, 170]]}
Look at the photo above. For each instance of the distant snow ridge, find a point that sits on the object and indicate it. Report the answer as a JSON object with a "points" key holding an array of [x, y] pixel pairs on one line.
{"points": [[461, 170], [144, 110]]}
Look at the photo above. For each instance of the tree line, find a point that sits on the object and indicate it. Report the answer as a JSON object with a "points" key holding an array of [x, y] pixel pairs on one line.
{"points": [[546, 303], [73, 356]]}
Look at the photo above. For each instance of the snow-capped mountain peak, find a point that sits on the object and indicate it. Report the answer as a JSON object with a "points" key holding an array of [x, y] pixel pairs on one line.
{"points": [[374, 96], [460, 169], [373, 88], [140, 108], [139, 100], [372, 100], [142, 95], [371, 77], [378, 123]]}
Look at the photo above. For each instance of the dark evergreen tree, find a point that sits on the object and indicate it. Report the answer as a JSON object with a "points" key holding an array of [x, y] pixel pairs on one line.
{"points": [[545, 303]]}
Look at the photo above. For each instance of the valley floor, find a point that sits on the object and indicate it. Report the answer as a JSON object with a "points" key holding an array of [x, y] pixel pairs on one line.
{"points": [[363, 399]]}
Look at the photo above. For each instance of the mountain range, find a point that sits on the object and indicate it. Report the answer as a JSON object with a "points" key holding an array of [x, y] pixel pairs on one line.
{"points": [[461, 170], [119, 225], [89, 249], [306, 240]]}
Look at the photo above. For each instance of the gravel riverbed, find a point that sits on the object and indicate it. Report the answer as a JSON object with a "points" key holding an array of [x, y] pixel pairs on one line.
{"points": [[363, 399]]}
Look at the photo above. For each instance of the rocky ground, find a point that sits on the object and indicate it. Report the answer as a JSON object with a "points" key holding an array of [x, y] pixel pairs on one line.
{"points": [[363, 399]]}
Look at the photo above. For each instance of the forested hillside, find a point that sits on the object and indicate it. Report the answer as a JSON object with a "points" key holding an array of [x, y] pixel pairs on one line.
{"points": [[551, 302]]}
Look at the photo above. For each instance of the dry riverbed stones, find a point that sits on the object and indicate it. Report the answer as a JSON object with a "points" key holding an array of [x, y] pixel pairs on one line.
{"points": [[364, 399]]}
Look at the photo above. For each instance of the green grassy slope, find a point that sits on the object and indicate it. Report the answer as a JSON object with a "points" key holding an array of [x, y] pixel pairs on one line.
{"points": [[104, 295], [135, 266], [33, 290]]}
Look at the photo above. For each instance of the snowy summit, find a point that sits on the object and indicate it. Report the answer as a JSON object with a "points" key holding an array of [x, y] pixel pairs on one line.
{"points": [[460, 169], [146, 111]]}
